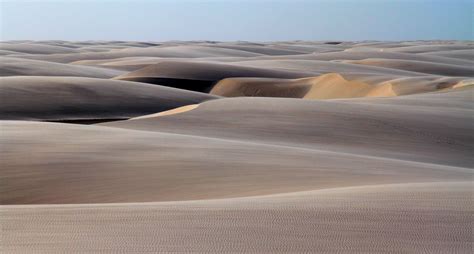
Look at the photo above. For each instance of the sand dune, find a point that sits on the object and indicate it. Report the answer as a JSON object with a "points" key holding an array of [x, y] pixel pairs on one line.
{"points": [[262, 49], [333, 85], [166, 51], [411, 218], [381, 44], [142, 60], [125, 63], [351, 54], [8, 52], [74, 99], [262, 87], [418, 66], [35, 48], [10, 66], [161, 166], [136, 63], [467, 54], [432, 48], [200, 76], [326, 86], [336, 125], [325, 67], [330, 147]]}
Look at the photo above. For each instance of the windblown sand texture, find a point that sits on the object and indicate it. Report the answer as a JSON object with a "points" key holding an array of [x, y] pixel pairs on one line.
{"points": [[236, 147]]}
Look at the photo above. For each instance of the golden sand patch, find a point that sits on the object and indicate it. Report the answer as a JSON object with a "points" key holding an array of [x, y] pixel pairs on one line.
{"points": [[169, 112]]}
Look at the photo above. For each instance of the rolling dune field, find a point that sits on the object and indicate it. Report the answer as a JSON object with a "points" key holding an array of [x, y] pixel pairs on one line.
{"points": [[236, 147]]}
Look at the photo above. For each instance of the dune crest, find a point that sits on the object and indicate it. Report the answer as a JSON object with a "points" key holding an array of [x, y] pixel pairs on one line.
{"points": [[168, 112]]}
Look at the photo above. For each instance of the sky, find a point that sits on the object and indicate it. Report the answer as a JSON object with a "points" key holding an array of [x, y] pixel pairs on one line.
{"points": [[231, 20]]}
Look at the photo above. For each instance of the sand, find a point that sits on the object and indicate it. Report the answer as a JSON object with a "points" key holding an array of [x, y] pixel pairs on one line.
{"points": [[76, 98], [168, 112], [419, 66], [338, 125], [411, 218], [200, 76], [467, 54], [35, 48], [236, 147], [326, 86], [10, 66], [335, 85]]}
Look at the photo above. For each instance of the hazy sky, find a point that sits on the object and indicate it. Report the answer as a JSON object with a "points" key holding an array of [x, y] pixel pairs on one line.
{"points": [[261, 20]]}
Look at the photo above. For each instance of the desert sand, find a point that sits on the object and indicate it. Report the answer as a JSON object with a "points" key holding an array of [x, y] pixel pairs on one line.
{"points": [[236, 147]]}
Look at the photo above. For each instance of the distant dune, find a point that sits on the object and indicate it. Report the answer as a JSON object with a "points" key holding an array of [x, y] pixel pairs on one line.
{"points": [[10, 66], [236, 147], [467, 54], [418, 66], [168, 51], [198, 76], [35, 48]]}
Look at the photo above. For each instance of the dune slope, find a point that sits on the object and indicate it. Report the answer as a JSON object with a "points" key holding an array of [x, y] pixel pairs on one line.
{"points": [[363, 126], [199, 76], [10, 66], [410, 218], [115, 165], [335, 85], [73, 98]]}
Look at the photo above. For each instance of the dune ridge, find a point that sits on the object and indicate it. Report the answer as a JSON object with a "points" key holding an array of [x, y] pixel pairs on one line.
{"points": [[76, 98], [169, 112]]}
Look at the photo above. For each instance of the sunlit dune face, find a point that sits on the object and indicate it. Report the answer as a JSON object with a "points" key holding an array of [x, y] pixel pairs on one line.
{"points": [[169, 112]]}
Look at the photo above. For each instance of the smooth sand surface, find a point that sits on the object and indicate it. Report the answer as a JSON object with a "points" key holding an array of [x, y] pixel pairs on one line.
{"points": [[318, 66], [407, 218], [418, 66], [327, 147], [35, 48], [10, 66], [431, 48], [137, 166], [405, 127], [467, 54], [358, 54], [164, 51], [200, 76], [72, 98]]}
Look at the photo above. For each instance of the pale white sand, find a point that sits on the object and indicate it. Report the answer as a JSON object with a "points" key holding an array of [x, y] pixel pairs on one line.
{"points": [[79, 98], [409, 218], [368, 151]]}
